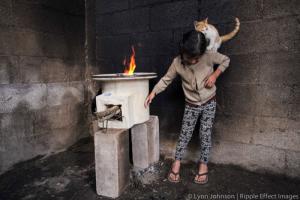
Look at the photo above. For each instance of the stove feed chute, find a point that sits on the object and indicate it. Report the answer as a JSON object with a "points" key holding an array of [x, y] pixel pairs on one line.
{"points": [[107, 100], [125, 95]]}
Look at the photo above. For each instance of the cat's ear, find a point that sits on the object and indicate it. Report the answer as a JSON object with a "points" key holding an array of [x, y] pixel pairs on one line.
{"points": [[206, 20], [195, 23]]}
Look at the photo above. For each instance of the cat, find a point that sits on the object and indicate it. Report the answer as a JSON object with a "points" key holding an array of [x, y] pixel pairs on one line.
{"points": [[212, 34]]}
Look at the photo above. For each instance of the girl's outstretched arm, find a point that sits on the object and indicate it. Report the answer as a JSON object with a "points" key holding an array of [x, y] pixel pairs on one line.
{"points": [[162, 83]]}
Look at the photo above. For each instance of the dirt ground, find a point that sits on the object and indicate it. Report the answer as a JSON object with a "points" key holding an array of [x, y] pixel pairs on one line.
{"points": [[70, 175]]}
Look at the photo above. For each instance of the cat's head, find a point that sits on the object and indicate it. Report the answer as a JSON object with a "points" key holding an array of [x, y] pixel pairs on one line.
{"points": [[201, 26]]}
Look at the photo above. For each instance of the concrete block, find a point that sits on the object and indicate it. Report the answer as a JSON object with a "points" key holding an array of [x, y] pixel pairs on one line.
{"points": [[112, 161], [6, 41], [273, 101], [276, 132], [280, 8], [244, 43], [37, 18], [128, 21], [294, 112], [245, 10], [249, 156], [293, 124], [22, 95], [295, 96], [245, 104], [106, 47], [293, 163], [153, 138], [74, 24], [163, 44], [63, 93], [173, 15], [279, 68], [136, 3], [243, 69], [63, 137], [17, 124], [106, 6], [9, 70], [54, 70], [75, 71], [30, 69], [6, 12], [237, 128], [145, 143], [140, 146], [40, 44]]}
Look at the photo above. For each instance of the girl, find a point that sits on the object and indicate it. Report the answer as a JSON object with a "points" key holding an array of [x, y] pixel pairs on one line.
{"points": [[194, 64]]}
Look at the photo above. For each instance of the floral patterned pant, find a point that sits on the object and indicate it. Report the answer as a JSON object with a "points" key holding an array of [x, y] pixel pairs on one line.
{"points": [[191, 113]]}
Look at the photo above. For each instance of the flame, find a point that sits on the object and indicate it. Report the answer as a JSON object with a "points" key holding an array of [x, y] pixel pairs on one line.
{"points": [[131, 67]]}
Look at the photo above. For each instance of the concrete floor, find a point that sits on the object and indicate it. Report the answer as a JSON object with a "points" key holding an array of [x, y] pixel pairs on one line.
{"points": [[70, 175]]}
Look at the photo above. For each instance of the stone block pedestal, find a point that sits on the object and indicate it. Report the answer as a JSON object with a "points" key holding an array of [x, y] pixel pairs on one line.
{"points": [[112, 154], [112, 163], [145, 143]]}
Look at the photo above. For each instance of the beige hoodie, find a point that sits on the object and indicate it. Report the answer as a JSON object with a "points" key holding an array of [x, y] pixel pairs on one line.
{"points": [[193, 76]]}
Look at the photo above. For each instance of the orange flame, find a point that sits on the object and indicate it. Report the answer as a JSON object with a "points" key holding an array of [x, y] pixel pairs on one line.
{"points": [[131, 67]]}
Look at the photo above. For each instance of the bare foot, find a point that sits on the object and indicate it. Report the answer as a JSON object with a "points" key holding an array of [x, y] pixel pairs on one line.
{"points": [[175, 169], [202, 169]]}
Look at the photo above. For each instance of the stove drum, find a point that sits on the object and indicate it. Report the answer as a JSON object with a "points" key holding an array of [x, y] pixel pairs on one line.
{"points": [[129, 96]]}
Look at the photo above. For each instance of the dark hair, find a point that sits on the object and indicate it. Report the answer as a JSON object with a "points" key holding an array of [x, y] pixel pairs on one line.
{"points": [[193, 44]]}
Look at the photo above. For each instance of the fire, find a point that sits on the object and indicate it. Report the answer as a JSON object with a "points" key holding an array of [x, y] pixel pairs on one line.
{"points": [[131, 67]]}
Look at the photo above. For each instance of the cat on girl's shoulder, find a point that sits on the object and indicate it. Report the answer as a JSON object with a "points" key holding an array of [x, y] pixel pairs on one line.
{"points": [[212, 34]]}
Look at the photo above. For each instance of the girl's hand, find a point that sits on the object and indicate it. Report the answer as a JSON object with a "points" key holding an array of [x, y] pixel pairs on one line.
{"points": [[149, 99], [210, 80]]}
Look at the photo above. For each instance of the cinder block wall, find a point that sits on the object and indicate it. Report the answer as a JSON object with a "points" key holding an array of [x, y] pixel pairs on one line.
{"points": [[257, 124], [41, 78]]}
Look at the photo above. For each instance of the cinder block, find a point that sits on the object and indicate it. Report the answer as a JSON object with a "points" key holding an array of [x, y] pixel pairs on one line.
{"points": [[281, 74], [9, 70], [6, 41], [44, 19], [140, 149], [249, 156], [293, 164], [134, 3], [237, 128], [153, 138], [246, 104], [280, 8], [245, 10], [163, 46], [6, 13], [28, 43], [112, 161], [173, 15], [22, 95], [145, 143], [30, 69], [105, 46], [273, 101], [107, 6], [65, 93], [276, 132], [54, 70], [123, 22], [284, 41], [243, 69]]}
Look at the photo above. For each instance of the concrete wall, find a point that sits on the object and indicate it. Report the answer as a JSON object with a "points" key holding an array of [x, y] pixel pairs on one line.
{"points": [[257, 123], [42, 84]]}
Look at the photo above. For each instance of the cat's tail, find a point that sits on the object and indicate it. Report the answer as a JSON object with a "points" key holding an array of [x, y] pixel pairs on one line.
{"points": [[230, 35]]}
